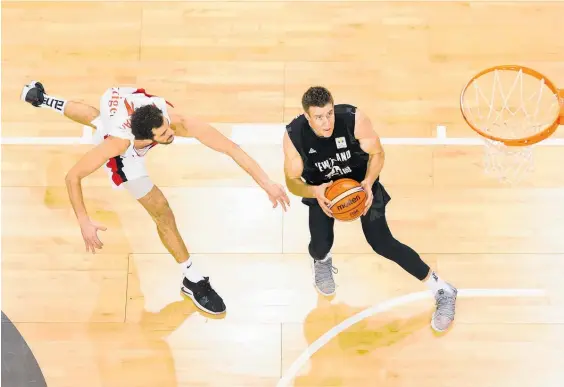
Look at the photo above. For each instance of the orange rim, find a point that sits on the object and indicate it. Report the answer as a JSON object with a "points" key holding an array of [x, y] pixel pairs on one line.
{"points": [[537, 137]]}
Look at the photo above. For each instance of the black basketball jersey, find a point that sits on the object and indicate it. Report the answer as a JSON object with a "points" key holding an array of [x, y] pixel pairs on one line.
{"points": [[330, 158]]}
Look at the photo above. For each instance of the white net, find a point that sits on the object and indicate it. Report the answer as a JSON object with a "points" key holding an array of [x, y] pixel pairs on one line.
{"points": [[509, 104], [509, 164]]}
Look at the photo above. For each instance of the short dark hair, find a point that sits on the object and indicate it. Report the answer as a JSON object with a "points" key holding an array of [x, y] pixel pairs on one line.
{"points": [[144, 120], [317, 96]]}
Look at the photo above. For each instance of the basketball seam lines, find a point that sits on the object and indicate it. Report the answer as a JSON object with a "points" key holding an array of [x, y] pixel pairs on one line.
{"points": [[345, 194]]}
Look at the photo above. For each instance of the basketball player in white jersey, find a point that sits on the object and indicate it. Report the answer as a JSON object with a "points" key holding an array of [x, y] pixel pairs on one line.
{"points": [[329, 142], [128, 124]]}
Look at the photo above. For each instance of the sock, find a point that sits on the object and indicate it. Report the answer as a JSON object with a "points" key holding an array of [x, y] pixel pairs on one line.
{"points": [[54, 103], [190, 272], [435, 283], [326, 257]]}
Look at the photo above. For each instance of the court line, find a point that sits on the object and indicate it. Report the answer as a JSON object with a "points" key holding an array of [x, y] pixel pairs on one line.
{"points": [[292, 372], [270, 134]]}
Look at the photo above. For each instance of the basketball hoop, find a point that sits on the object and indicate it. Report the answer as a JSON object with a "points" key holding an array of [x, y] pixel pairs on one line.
{"points": [[513, 108]]}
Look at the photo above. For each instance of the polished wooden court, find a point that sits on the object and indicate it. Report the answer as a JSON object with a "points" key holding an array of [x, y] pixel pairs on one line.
{"points": [[117, 318]]}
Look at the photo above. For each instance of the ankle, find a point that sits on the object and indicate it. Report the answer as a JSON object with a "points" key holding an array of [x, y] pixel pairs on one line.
{"points": [[190, 272]]}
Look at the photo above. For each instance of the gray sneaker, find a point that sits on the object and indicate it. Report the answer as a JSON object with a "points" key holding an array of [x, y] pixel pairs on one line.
{"points": [[446, 305], [323, 275]]}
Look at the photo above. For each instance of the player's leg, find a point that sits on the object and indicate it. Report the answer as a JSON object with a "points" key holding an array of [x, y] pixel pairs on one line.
{"points": [[380, 238], [34, 93], [322, 237], [194, 285]]}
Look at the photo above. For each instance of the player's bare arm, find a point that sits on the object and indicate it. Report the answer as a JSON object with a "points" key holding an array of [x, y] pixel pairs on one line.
{"points": [[293, 168], [214, 139], [89, 163], [371, 144]]}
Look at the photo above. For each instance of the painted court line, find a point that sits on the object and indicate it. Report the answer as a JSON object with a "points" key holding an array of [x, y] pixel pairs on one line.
{"points": [[271, 134], [385, 306], [464, 141]]}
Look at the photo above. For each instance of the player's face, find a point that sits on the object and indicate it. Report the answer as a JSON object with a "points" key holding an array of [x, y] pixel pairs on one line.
{"points": [[321, 119], [163, 134]]}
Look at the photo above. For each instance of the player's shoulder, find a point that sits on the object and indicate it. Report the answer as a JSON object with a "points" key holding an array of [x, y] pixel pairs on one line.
{"points": [[137, 100], [296, 124], [345, 109]]}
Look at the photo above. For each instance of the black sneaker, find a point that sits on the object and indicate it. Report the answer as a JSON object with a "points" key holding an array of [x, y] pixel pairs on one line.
{"points": [[33, 93], [203, 295]]}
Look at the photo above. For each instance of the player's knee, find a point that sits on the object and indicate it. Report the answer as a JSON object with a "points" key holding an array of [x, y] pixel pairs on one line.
{"points": [[152, 198], [383, 244], [163, 214]]}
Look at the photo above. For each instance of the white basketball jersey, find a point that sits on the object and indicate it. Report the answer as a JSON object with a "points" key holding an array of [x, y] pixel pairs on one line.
{"points": [[116, 106]]}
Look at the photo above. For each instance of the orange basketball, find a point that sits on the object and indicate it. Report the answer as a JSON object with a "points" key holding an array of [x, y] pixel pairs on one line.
{"points": [[347, 199]]}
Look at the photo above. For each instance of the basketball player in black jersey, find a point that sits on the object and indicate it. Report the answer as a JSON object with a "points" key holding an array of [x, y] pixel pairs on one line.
{"points": [[330, 142]]}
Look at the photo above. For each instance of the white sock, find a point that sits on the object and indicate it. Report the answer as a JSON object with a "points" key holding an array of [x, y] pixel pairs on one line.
{"points": [[435, 283], [190, 272], [54, 103]]}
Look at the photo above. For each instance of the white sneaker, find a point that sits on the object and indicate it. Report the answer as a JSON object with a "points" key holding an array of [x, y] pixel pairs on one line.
{"points": [[323, 275], [446, 308]]}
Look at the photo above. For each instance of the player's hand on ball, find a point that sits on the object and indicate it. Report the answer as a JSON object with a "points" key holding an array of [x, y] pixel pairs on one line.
{"points": [[367, 186], [277, 194], [89, 231], [324, 203]]}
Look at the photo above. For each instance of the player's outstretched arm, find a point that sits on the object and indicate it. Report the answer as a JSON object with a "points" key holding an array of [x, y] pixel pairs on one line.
{"points": [[214, 139], [89, 163]]}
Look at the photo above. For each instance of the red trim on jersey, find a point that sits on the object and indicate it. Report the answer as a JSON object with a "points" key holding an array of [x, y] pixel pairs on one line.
{"points": [[116, 166], [112, 164], [151, 145], [139, 91]]}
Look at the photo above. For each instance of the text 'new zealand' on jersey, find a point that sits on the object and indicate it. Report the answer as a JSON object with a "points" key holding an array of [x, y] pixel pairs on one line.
{"points": [[330, 158]]}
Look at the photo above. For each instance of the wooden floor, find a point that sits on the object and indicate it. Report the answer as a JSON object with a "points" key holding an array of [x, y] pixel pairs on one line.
{"points": [[117, 318]]}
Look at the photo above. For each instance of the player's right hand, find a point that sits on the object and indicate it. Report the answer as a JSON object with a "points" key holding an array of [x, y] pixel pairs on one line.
{"points": [[89, 231], [324, 203]]}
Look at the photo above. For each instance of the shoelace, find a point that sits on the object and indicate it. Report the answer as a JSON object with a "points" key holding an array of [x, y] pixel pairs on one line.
{"points": [[326, 269], [205, 283], [445, 305]]}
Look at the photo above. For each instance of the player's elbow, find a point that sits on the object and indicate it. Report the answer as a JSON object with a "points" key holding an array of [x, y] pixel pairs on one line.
{"points": [[73, 177], [230, 148]]}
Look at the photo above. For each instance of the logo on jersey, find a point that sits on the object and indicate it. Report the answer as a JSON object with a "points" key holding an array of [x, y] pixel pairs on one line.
{"points": [[113, 102], [330, 166], [130, 109], [341, 142]]}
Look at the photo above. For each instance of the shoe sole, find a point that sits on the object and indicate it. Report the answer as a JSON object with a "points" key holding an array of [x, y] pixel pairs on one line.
{"points": [[315, 285], [437, 329], [189, 294]]}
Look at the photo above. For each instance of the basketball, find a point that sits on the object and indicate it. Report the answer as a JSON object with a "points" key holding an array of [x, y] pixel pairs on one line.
{"points": [[347, 199]]}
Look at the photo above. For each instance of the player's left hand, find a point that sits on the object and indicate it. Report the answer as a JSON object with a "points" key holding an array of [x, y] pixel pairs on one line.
{"points": [[367, 186], [277, 194]]}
